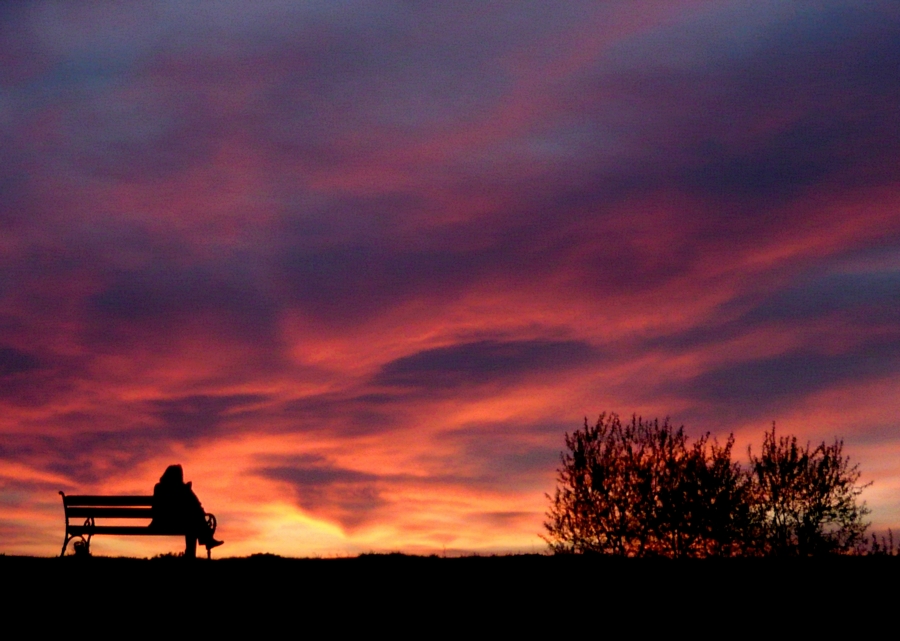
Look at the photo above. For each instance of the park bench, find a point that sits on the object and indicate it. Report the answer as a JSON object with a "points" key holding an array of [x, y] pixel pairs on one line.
{"points": [[91, 508]]}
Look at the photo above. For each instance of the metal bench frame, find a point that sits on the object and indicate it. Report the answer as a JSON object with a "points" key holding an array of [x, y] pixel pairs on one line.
{"points": [[92, 507]]}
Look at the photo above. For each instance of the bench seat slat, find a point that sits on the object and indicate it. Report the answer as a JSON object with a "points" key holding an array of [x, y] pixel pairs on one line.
{"points": [[110, 512], [110, 501], [129, 530]]}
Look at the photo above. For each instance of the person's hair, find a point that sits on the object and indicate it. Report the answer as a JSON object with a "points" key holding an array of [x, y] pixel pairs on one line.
{"points": [[173, 474]]}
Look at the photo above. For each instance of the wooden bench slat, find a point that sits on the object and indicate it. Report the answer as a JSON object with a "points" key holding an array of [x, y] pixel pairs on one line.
{"points": [[110, 512], [111, 501], [130, 530]]}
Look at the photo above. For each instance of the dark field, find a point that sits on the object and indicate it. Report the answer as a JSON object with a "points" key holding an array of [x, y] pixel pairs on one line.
{"points": [[542, 588]]}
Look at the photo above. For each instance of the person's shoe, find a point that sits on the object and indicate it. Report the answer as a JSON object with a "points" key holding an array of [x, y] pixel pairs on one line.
{"points": [[213, 543]]}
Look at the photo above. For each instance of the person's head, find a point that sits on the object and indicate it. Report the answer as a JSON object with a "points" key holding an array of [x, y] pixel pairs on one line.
{"points": [[173, 475]]}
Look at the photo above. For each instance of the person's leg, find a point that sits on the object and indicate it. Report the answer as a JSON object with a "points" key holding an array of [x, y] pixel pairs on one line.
{"points": [[204, 533], [190, 546]]}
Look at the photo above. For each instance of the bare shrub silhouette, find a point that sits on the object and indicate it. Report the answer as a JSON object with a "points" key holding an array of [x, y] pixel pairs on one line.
{"points": [[880, 546], [644, 489], [804, 499]]}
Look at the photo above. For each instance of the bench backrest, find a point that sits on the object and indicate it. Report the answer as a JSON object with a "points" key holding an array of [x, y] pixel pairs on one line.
{"points": [[108, 507]]}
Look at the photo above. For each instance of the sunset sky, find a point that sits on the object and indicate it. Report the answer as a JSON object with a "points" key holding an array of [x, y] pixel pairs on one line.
{"points": [[358, 266]]}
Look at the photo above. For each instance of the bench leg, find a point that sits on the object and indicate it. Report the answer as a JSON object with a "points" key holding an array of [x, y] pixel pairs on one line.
{"points": [[65, 544], [190, 546], [82, 546]]}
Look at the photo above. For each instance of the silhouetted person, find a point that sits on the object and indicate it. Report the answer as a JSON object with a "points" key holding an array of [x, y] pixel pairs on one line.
{"points": [[176, 507]]}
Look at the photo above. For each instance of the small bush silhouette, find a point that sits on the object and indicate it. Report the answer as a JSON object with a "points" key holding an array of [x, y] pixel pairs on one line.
{"points": [[643, 489], [880, 547], [804, 499]]}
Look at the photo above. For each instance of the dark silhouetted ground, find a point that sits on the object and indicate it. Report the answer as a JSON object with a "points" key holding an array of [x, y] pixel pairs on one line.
{"points": [[381, 591]]}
